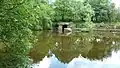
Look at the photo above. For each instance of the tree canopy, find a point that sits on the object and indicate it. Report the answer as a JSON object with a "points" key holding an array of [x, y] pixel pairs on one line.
{"points": [[104, 11], [17, 21], [72, 10]]}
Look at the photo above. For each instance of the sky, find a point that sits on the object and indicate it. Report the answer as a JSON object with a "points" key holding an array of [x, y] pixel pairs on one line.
{"points": [[117, 2]]}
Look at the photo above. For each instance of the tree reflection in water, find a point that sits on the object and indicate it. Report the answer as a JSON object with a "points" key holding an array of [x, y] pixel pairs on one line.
{"points": [[80, 62], [93, 47]]}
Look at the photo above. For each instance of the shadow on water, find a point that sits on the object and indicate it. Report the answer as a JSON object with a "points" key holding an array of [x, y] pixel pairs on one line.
{"points": [[78, 50]]}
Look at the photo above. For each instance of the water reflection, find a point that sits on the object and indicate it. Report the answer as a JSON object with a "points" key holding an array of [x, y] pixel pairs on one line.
{"points": [[80, 62], [78, 50]]}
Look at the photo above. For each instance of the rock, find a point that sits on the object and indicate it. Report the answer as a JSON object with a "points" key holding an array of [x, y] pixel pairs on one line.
{"points": [[67, 30]]}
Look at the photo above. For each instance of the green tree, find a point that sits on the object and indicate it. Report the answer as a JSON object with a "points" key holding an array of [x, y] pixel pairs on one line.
{"points": [[73, 10], [43, 13], [15, 34], [83, 13], [112, 13], [63, 10], [104, 11], [118, 14]]}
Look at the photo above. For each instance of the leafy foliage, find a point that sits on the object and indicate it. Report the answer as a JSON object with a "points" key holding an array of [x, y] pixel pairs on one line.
{"points": [[96, 11], [104, 11], [15, 33], [17, 20], [43, 14], [73, 10], [118, 15], [63, 10], [14, 61]]}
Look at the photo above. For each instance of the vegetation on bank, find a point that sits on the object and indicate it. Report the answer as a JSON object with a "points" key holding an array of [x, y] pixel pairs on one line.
{"points": [[18, 19], [42, 14], [86, 12]]}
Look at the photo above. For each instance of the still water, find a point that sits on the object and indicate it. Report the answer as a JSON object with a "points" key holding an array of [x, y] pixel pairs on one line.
{"points": [[76, 50]]}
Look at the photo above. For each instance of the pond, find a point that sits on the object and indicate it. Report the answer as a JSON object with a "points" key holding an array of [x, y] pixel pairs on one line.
{"points": [[76, 50]]}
